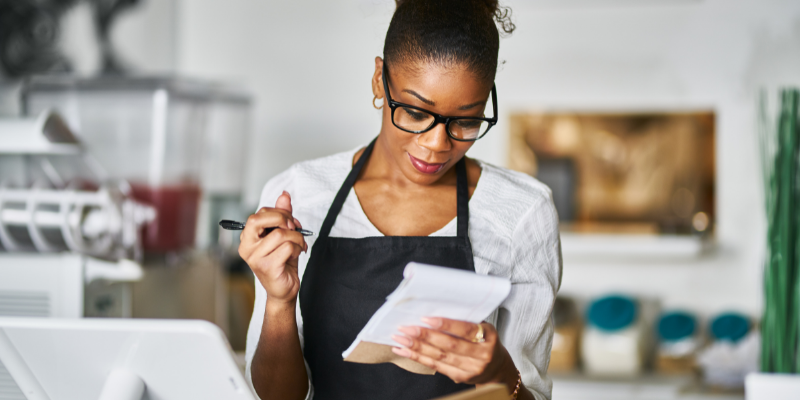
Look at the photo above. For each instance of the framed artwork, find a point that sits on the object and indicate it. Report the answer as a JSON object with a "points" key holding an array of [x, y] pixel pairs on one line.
{"points": [[638, 172]]}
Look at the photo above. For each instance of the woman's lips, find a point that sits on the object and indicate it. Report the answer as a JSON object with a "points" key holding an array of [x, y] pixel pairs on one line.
{"points": [[425, 168]]}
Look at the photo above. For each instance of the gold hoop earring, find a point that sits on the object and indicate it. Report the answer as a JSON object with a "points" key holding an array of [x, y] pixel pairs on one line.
{"points": [[373, 103]]}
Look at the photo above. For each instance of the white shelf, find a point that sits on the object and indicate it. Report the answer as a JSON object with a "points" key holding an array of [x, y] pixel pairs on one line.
{"points": [[586, 245], [645, 387]]}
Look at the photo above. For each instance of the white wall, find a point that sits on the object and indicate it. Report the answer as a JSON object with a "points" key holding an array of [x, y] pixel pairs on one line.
{"points": [[707, 54], [704, 54], [143, 36], [308, 64]]}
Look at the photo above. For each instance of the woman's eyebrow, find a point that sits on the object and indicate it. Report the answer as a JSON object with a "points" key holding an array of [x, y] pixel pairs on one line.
{"points": [[422, 99], [432, 103], [475, 104]]}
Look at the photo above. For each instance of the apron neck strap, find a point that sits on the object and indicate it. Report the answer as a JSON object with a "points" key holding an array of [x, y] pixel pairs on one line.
{"points": [[341, 196], [462, 191]]}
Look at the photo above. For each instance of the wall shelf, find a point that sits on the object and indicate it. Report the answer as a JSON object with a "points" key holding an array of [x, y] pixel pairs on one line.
{"points": [[585, 245], [644, 387]]}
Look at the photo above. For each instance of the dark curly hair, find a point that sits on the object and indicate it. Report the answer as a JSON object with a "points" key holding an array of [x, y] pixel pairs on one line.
{"points": [[447, 32]]}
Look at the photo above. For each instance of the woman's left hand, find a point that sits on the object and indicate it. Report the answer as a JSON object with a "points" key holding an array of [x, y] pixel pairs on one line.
{"points": [[448, 348]]}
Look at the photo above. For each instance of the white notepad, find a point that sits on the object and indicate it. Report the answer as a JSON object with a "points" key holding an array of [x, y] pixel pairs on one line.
{"points": [[426, 291]]}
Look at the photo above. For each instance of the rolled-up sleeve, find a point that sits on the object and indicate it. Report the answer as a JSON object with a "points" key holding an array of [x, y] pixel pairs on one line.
{"points": [[524, 320]]}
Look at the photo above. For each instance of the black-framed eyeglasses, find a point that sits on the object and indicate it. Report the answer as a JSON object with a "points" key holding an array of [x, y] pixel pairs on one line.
{"points": [[418, 120]]}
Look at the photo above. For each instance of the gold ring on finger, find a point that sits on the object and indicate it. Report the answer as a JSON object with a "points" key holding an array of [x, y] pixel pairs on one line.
{"points": [[479, 335]]}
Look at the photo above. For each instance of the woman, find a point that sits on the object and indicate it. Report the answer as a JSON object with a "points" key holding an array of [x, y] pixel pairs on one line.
{"points": [[411, 195]]}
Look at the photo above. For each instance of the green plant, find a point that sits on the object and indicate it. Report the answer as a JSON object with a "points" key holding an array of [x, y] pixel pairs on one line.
{"points": [[778, 139]]}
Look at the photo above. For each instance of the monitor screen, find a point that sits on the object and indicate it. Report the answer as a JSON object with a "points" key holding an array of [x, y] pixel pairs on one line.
{"points": [[49, 358]]}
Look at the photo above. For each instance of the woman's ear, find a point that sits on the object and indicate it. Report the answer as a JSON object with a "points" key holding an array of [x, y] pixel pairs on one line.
{"points": [[377, 79]]}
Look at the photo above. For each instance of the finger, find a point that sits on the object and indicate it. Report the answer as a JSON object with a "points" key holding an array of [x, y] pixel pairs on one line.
{"points": [[282, 252], [284, 202], [462, 329], [279, 255], [278, 237], [438, 354], [277, 262], [285, 252], [454, 373], [296, 251], [263, 219], [449, 343], [265, 212]]}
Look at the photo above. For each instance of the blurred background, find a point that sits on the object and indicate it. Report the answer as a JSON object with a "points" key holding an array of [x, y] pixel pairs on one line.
{"points": [[130, 127]]}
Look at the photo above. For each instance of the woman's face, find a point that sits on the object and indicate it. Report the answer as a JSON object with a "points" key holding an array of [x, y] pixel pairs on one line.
{"points": [[451, 91]]}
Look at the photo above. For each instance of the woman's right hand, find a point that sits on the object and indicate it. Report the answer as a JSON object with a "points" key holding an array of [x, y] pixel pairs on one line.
{"points": [[273, 257]]}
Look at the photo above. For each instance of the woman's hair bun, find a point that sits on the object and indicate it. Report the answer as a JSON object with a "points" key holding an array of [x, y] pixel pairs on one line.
{"points": [[448, 31], [500, 14]]}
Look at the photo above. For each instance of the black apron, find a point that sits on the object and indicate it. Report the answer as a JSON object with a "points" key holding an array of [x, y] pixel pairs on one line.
{"points": [[346, 280]]}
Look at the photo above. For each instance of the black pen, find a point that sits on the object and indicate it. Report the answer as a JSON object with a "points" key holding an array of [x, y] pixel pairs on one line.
{"points": [[237, 226]]}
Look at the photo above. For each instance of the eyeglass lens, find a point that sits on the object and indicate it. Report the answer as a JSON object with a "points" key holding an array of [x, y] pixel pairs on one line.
{"points": [[467, 129], [413, 120]]}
